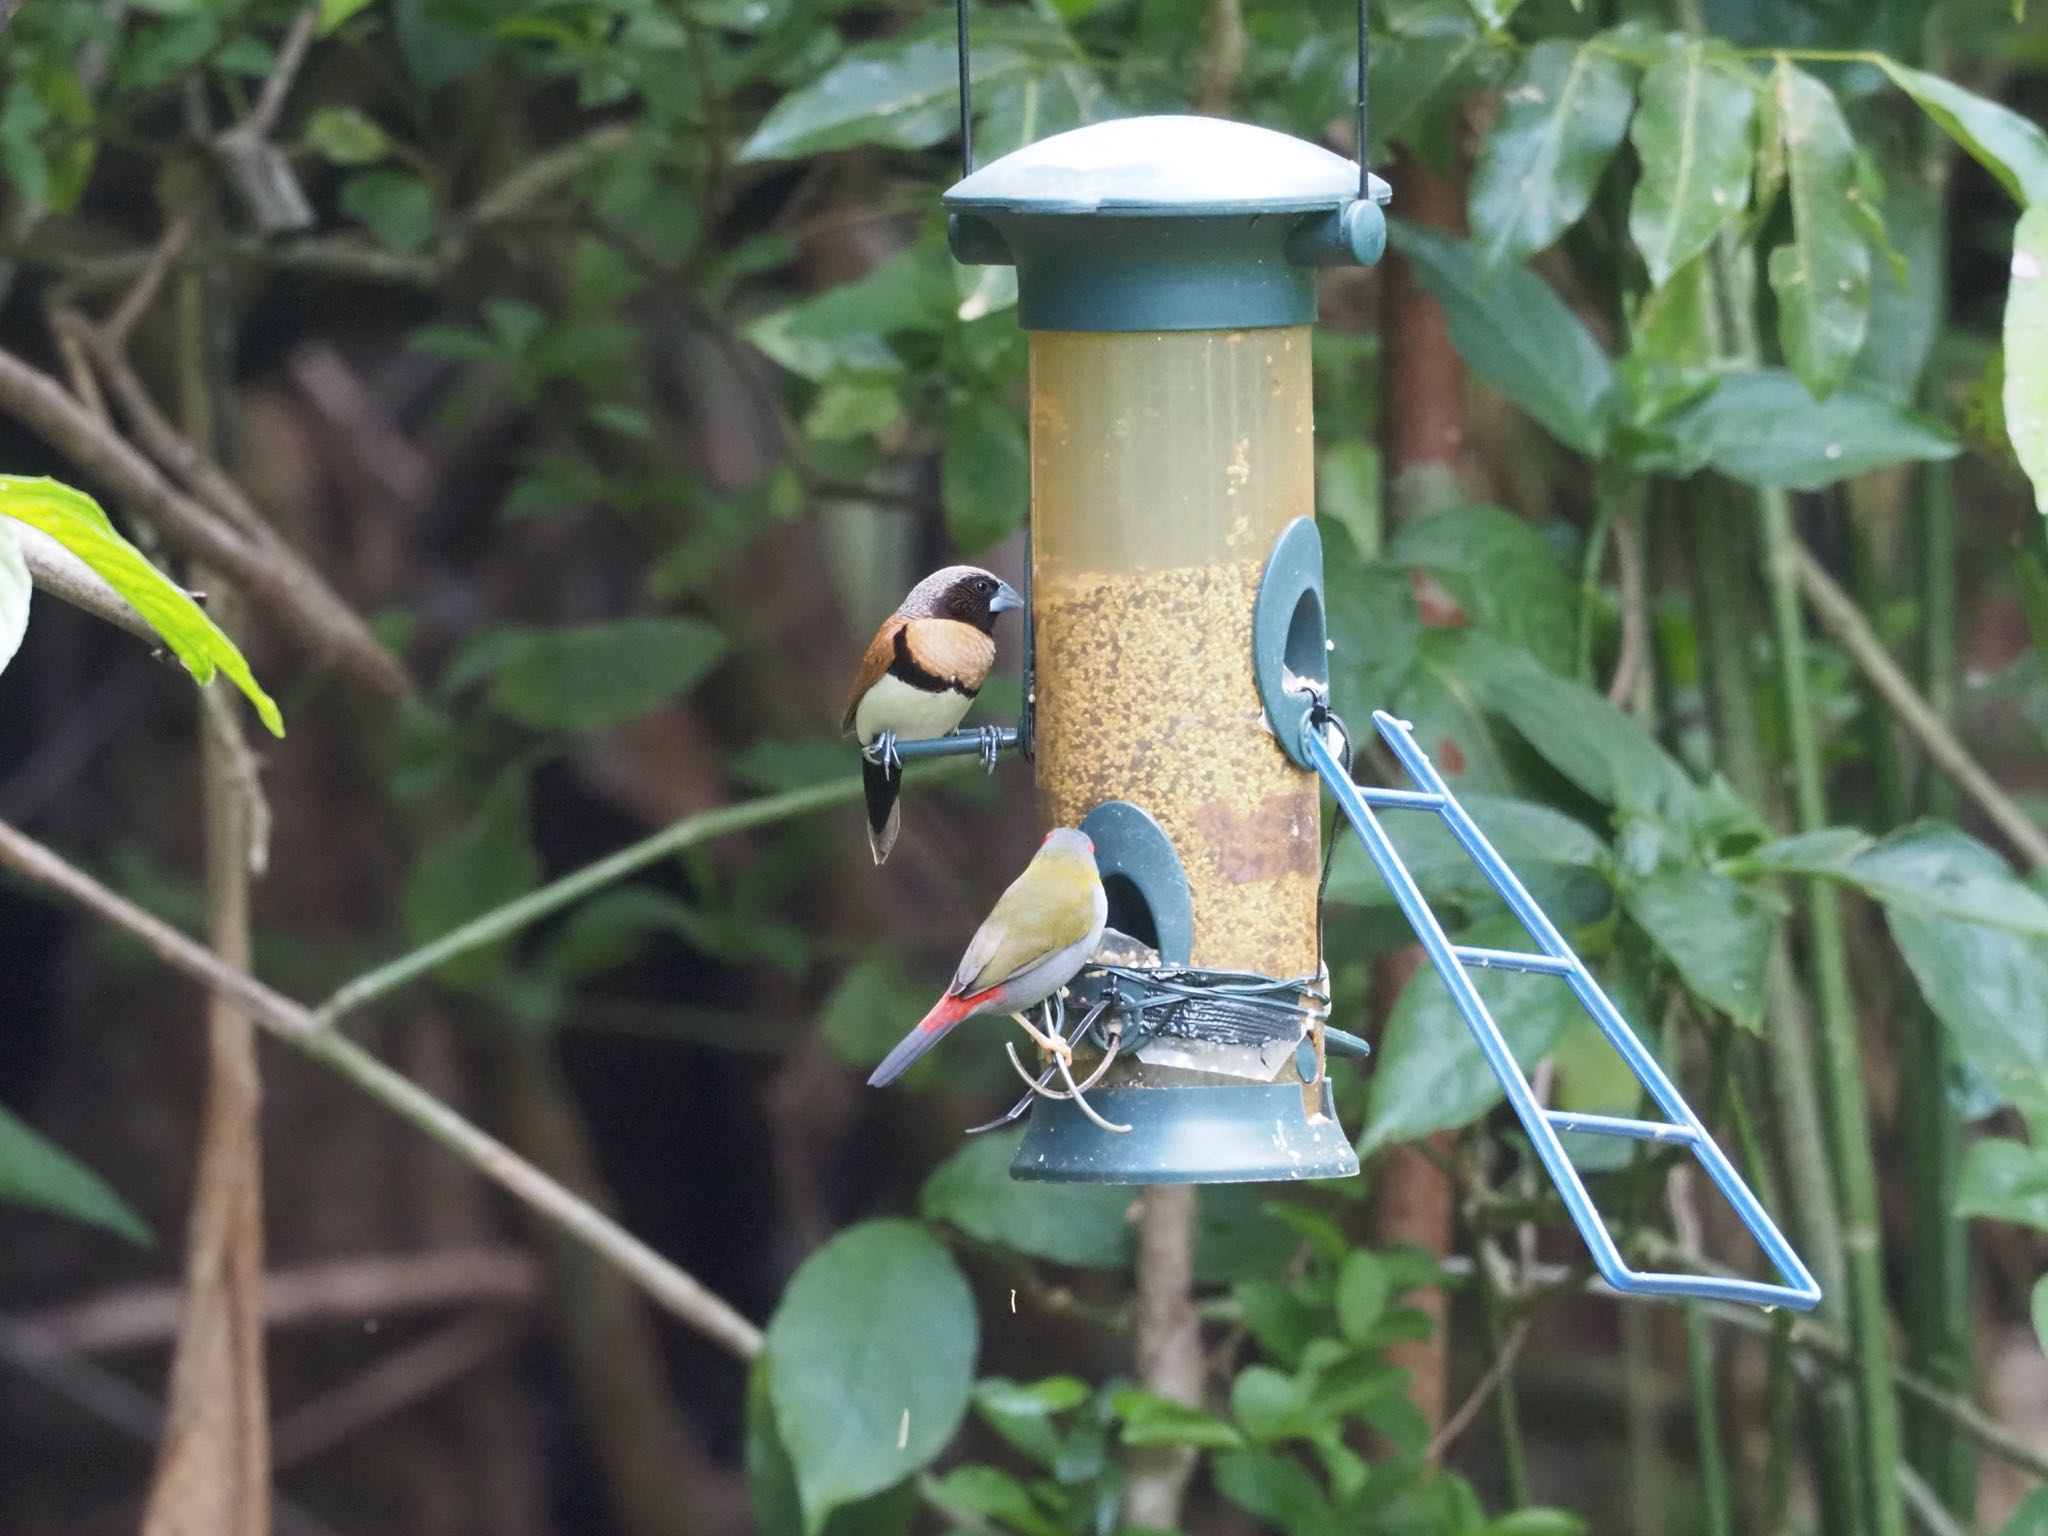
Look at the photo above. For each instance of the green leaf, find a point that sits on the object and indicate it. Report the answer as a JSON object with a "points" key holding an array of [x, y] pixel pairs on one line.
{"points": [[1539, 1522], [333, 13], [984, 474], [75, 520], [901, 93], [1502, 573], [1425, 57], [16, 587], [1085, 1225], [1997, 138], [1715, 933], [2031, 1518], [771, 1481], [1364, 1288], [871, 1353], [1022, 1412], [1431, 1075], [1561, 119], [1822, 276], [1931, 870], [842, 330], [394, 206], [2026, 349], [1560, 860], [1276, 1489], [1517, 335], [1989, 986], [989, 1494], [347, 136], [1696, 137], [489, 862], [1150, 1419], [1763, 427], [585, 678], [43, 1177], [2004, 1180]]}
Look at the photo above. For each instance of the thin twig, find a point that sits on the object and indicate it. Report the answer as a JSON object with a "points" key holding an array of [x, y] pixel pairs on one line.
{"points": [[149, 282], [1925, 1506], [673, 1289], [344, 1290], [1853, 633], [389, 1386], [503, 922], [1483, 1389], [291, 53]]}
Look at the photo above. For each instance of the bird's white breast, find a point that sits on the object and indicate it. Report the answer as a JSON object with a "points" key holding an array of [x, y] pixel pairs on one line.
{"points": [[912, 713]]}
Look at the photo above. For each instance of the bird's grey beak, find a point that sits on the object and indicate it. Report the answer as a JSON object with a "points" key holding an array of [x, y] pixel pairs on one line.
{"points": [[1005, 599]]}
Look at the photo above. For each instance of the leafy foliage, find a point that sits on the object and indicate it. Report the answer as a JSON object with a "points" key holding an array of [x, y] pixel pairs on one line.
{"points": [[36, 1173]]}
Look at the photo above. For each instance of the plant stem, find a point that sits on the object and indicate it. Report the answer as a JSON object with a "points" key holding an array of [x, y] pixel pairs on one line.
{"points": [[1938, 1285], [1846, 1115], [1604, 509], [295, 1024], [1168, 1346], [502, 922]]}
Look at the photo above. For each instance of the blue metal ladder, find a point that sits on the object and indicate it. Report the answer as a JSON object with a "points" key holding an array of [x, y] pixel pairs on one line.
{"points": [[1554, 957]]}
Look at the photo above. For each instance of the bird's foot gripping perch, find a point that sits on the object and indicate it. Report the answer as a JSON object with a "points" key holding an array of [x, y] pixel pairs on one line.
{"points": [[883, 754]]}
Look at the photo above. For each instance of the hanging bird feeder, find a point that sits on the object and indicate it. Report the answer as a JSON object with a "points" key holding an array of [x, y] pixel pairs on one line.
{"points": [[1177, 705]]}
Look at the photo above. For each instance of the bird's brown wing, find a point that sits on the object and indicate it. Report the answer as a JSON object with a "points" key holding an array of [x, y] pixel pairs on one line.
{"points": [[881, 651]]}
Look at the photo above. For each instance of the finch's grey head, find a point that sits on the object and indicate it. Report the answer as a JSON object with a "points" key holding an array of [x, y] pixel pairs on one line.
{"points": [[963, 592], [1065, 840]]}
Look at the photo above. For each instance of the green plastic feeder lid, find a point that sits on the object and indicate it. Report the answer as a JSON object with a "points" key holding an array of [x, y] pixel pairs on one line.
{"points": [[1167, 224]]}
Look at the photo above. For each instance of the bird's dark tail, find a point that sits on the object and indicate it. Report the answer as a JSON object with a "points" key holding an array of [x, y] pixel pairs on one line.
{"points": [[885, 816]]}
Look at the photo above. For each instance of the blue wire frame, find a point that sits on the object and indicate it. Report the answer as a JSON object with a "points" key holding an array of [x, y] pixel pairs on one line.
{"points": [[1556, 958]]}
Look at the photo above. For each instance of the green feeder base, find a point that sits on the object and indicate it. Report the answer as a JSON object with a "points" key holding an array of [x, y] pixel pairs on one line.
{"points": [[1226, 1133]]}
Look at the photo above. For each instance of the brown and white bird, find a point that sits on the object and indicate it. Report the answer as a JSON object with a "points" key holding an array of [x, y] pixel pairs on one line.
{"points": [[921, 672], [1043, 929]]}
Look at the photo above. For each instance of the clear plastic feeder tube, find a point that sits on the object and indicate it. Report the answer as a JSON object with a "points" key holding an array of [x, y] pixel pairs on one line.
{"points": [[1164, 465]]}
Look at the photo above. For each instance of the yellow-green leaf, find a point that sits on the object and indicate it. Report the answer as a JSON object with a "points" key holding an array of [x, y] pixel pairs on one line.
{"points": [[2026, 349], [75, 520]]}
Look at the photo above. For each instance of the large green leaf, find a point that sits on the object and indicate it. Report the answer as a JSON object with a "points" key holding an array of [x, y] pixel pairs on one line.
{"points": [[37, 1174], [1516, 333], [1989, 986], [1931, 871], [771, 1480], [1696, 137], [15, 590], [1503, 574], [984, 473], [1085, 1225], [2005, 1180], [1822, 275], [1715, 933], [871, 1358], [1562, 116], [1430, 1074], [589, 677], [1425, 58], [1763, 427], [1999, 139], [75, 520], [903, 93], [2026, 349]]}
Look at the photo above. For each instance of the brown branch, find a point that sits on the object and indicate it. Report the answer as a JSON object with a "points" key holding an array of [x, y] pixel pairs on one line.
{"points": [[149, 281], [328, 1291], [675, 1291], [62, 574], [1838, 611], [291, 53], [274, 578], [1482, 1390], [1169, 1350]]}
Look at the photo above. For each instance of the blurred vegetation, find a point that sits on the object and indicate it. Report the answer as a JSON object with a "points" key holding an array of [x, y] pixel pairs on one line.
{"points": [[550, 395]]}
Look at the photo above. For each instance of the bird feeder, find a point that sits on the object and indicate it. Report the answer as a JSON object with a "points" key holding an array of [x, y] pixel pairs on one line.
{"points": [[1166, 280], [1177, 704]]}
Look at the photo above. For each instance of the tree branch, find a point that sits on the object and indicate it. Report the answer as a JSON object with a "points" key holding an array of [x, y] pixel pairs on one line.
{"points": [[674, 1290], [62, 574], [1169, 1350], [1838, 612], [272, 575]]}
